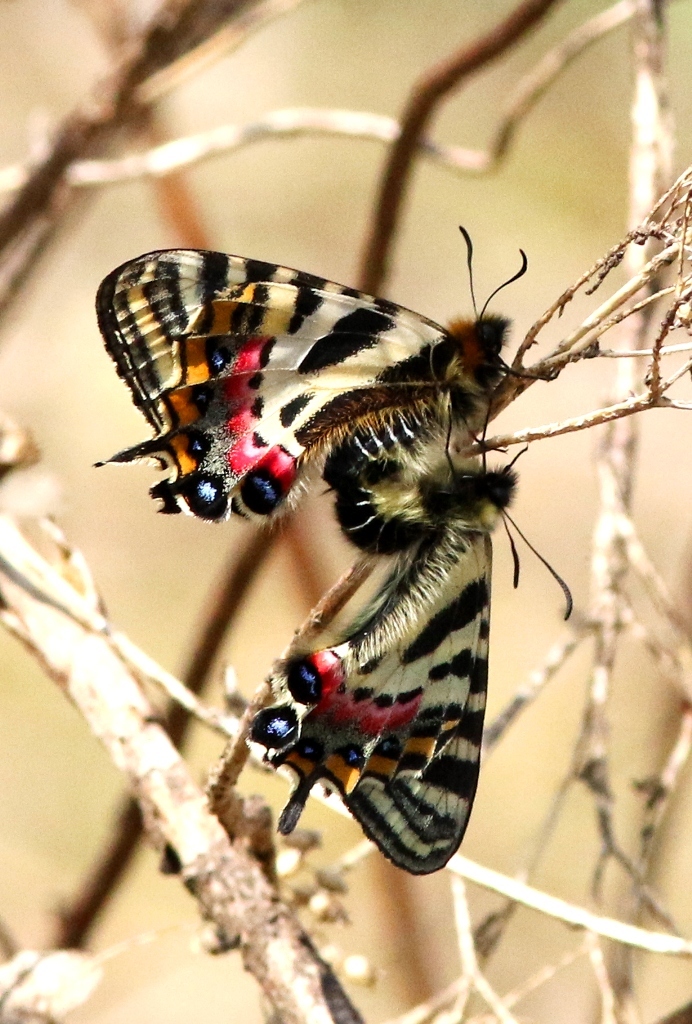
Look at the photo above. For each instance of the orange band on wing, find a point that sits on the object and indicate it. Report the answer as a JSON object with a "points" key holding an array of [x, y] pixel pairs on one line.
{"points": [[382, 766], [184, 409], [197, 367], [223, 310], [300, 764], [421, 745], [179, 444], [345, 774]]}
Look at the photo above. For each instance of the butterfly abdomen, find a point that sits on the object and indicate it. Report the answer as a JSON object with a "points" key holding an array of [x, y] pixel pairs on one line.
{"points": [[365, 469]]}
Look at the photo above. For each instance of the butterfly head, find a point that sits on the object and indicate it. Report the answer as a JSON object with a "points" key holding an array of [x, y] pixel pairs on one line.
{"points": [[495, 487], [480, 340], [479, 344], [473, 496]]}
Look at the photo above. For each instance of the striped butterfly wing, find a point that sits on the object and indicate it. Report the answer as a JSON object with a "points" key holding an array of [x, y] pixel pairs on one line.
{"points": [[246, 370], [393, 716]]}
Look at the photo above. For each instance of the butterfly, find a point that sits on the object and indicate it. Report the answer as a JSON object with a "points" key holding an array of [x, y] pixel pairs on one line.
{"points": [[257, 379]]}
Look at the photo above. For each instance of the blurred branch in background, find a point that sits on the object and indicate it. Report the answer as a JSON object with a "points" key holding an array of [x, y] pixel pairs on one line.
{"points": [[225, 879], [424, 100], [167, 157], [174, 29]]}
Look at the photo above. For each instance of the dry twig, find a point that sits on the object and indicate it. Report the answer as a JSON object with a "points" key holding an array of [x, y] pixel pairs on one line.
{"points": [[230, 888], [174, 29], [526, 895]]}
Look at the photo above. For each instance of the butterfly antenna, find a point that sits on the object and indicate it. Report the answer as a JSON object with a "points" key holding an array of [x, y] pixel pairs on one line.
{"points": [[510, 280], [515, 554], [518, 456], [556, 576], [469, 264]]}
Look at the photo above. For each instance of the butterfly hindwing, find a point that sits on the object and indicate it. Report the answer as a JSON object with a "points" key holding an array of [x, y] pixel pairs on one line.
{"points": [[392, 717]]}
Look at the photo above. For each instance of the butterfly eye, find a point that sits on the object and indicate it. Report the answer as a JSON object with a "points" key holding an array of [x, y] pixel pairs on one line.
{"points": [[206, 496], [491, 334], [304, 682], [499, 487], [275, 727]]}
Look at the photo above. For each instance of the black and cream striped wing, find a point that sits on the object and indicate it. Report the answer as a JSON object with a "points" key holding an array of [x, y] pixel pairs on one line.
{"points": [[247, 369], [393, 716]]}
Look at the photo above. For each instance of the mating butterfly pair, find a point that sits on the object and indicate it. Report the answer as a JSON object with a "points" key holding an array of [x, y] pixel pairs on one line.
{"points": [[255, 378]]}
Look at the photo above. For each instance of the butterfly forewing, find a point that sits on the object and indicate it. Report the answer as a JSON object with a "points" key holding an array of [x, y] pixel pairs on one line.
{"points": [[247, 368]]}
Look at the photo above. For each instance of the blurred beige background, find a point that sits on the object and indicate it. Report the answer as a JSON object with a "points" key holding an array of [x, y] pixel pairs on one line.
{"points": [[561, 196]]}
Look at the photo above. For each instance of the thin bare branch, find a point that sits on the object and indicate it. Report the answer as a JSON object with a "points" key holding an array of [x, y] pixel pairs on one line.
{"points": [[544, 975], [216, 40], [229, 886], [467, 950], [613, 353], [603, 981], [656, 587], [535, 84], [520, 892], [599, 417], [293, 122], [174, 28], [660, 789]]}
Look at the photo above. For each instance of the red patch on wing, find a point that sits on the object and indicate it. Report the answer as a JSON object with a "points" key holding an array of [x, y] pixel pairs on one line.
{"points": [[281, 465], [342, 709], [242, 422], [249, 358], [373, 720], [237, 391], [328, 665], [246, 454]]}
